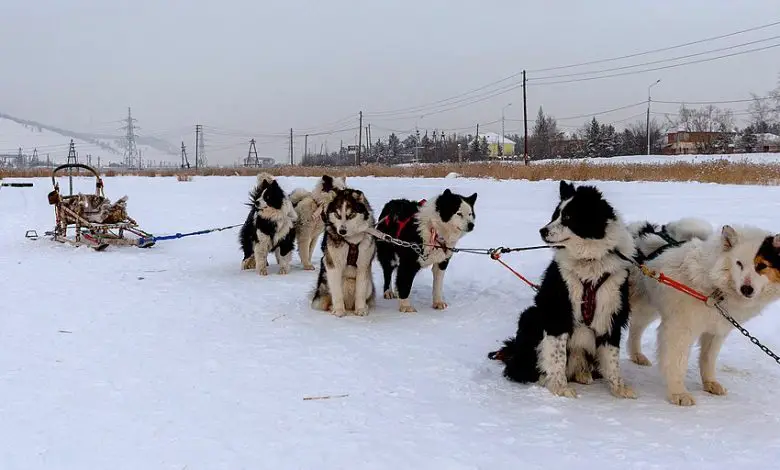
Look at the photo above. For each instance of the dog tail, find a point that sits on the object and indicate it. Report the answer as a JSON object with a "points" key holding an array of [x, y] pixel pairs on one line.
{"points": [[505, 353], [264, 177], [688, 228], [298, 195]]}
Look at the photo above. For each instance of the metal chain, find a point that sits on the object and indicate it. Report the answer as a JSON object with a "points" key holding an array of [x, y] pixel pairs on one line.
{"points": [[747, 334]]}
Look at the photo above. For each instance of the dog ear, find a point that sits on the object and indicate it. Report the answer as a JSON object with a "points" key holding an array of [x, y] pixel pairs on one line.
{"points": [[566, 190], [471, 200], [327, 183], [729, 237]]}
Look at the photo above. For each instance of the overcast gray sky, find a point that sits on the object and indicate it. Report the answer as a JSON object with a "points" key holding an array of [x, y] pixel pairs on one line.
{"points": [[249, 68]]}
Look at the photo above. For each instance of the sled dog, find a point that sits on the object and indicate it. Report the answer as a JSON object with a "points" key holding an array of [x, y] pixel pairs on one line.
{"points": [[309, 205]]}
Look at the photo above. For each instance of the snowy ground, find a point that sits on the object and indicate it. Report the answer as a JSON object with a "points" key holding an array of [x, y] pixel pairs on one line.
{"points": [[173, 358], [772, 158]]}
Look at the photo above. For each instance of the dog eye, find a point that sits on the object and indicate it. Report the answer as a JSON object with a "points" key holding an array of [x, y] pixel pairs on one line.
{"points": [[351, 216], [460, 214], [760, 267], [739, 263]]}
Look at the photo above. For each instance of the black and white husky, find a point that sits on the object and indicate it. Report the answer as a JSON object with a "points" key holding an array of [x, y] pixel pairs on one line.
{"points": [[572, 332], [345, 283], [433, 226], [269, 227]]}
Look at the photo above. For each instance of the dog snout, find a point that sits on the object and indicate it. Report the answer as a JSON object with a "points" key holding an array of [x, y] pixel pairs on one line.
{"points": [[747, 290], [544, 231], [470, 227], [342, 231]]}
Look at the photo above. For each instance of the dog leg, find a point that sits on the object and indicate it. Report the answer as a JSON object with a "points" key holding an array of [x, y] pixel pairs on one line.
{"points": [[336, 286], [248, 263], [304, 248], [403, 280], [438, 282], [674, 345], [609, 366], [552, 363], [641, 317], [261, 258], [313, 236], [362, 291], [578, 368], [284, 261], [708, 356]]}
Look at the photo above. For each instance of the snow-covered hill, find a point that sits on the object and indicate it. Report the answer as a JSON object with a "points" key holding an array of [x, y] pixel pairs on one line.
{"points": [[17, 133]]}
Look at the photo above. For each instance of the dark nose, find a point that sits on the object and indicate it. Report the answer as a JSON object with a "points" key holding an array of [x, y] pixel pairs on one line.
{"points": [[747, 291], [544, 232], [470, 226], [342, 231]]}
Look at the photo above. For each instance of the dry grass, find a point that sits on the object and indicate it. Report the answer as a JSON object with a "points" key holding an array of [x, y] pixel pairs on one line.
{"points": [[721, 171]]}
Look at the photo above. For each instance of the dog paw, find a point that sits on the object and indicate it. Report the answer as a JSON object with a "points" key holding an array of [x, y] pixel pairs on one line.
{"points": [[308, 267], [583, 377], [361, 312], [682, 399], [439, 304], [563, 391], [714, 387], [248, 263], [284, 270], [640, 359], [407, 309], [389, 294], [262, 271], [622, 391], [337, 312]]}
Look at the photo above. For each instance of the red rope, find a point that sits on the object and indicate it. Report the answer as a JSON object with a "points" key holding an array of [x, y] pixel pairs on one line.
{"points": [[497, 256]]}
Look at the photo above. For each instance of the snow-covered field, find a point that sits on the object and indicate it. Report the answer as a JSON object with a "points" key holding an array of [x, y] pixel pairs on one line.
{"points": [[173, 358], [772, 158]]}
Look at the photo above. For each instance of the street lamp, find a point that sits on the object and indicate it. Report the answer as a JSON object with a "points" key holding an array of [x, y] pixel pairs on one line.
{"points": [[648, 113], [503, 133]]}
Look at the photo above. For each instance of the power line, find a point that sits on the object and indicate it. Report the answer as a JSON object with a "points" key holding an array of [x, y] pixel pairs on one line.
{"points": [[660, 61], [710, 59], [418, 108], [663, 49]]}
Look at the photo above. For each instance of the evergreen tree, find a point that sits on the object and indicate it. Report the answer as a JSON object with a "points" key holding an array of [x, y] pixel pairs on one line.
{"points": [[394, 146], [484, 148]]}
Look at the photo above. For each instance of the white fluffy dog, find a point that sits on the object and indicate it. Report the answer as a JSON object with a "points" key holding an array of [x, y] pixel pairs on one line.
{"points": [[740, 266], [308, 206]]}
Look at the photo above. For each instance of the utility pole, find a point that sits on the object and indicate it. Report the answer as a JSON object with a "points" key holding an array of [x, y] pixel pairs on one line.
{"points": [[305, 145], [368, 141], [197, 145], [98, 162], [525, 122], [292, 157], [250, 161], [201, 148], [648, 113], [360, 139], [185, 163]]}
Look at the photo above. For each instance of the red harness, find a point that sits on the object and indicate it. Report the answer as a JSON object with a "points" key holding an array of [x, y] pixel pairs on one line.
{"points": [[401, 223], [588, 305]]}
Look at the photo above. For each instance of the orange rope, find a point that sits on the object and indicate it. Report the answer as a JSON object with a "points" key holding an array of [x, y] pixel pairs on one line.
{"points": [[497, 256]]}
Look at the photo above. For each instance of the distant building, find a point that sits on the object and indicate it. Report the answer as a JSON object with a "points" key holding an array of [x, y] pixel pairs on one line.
{"points": [[685, 142], [493, 139], [767, 143]]}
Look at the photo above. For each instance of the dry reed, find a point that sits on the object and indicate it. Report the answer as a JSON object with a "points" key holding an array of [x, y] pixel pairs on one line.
{"points": [[718, 171]]}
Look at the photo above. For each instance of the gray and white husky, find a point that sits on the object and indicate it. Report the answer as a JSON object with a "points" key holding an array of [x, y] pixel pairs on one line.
{"points": [[345, 282]]}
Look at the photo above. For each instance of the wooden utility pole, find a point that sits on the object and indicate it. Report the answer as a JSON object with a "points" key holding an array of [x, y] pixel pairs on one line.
{"points": [[197, 146], [360, 140], [525, 123], [305, 145], [292, 157]]}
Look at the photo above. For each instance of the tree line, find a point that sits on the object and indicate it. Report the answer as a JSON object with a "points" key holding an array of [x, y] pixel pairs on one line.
{"points": [[593, 139]]}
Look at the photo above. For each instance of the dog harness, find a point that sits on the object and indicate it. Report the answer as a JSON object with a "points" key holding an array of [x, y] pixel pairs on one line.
{"points": [[401, 222], [588, 304], [352, 254]]}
